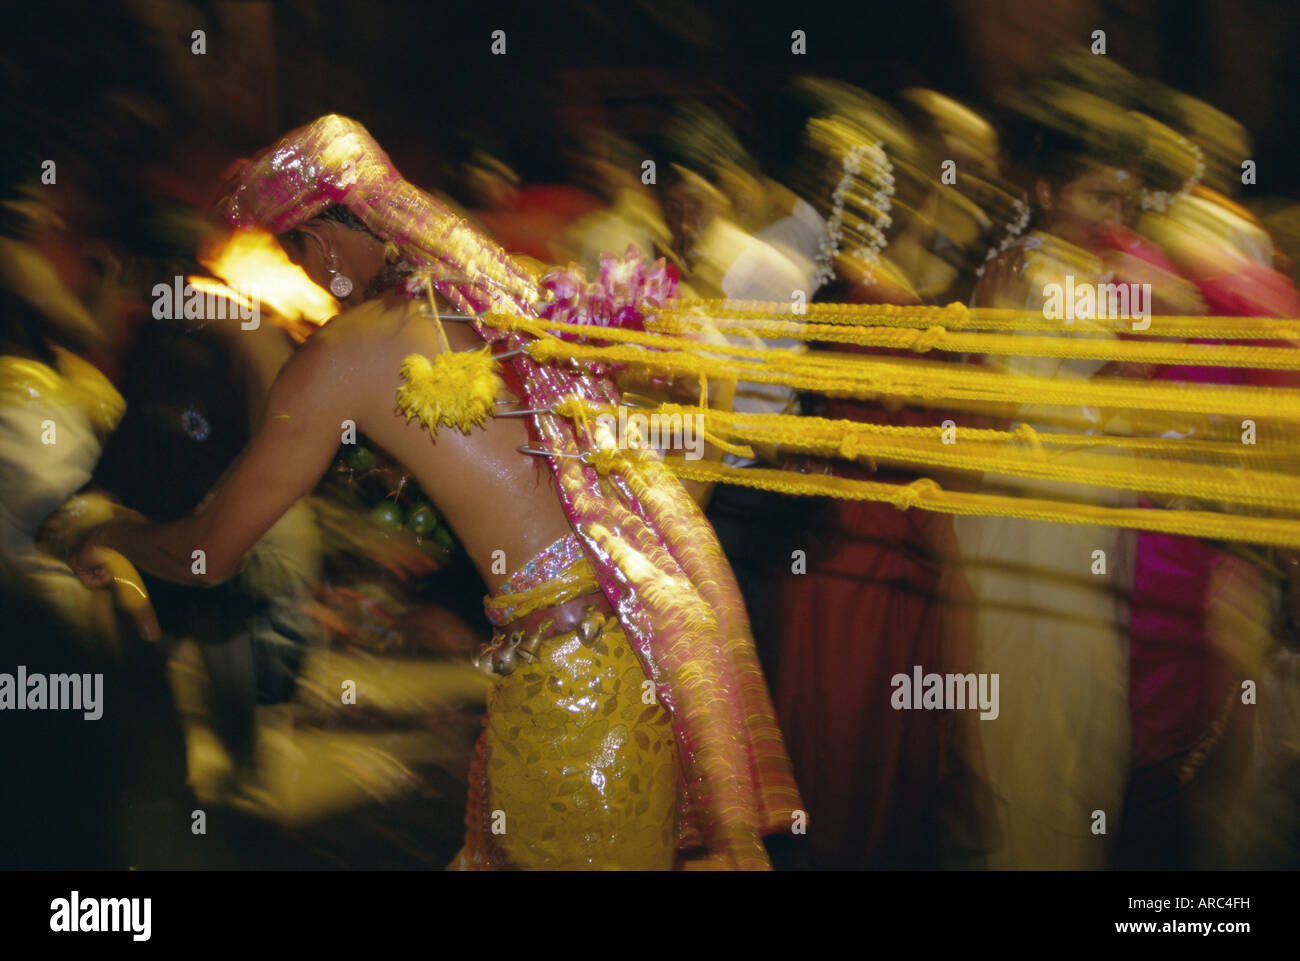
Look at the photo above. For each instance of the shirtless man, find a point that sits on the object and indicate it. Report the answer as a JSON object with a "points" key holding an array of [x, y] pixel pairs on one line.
{"points": [[584, 769], [349, 370]]}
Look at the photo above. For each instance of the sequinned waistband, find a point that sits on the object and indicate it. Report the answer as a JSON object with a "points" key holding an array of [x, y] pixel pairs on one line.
{"points": [[556, 574]]}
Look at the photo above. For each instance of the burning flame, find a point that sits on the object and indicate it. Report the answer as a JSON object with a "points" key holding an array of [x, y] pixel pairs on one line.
{"points": [[252, 261], [207, 285]]}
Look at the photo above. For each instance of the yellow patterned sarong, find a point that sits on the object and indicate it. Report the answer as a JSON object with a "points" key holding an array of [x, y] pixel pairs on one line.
{"points": [[574, 769]]}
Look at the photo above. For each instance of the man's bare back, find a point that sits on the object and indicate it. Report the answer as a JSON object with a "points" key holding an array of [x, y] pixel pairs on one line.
{"points": [[493, 497]]}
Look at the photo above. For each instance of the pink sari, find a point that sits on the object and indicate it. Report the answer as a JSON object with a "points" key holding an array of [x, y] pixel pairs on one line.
{"points": [[1178, 682]]}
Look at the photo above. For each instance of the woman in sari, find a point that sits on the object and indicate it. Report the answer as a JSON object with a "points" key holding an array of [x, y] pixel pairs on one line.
{"points": [[1052, 602]]}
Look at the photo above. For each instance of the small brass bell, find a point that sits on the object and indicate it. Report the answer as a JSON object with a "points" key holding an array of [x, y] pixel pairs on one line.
{"points": [[483, 659], [505, 661], [527, 648], [589, 627]]}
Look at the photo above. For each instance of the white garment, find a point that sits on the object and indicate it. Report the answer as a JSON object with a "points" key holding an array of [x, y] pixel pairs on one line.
{"points": [[37, 478], [769, 266], [1055, 632], [799, 236]]}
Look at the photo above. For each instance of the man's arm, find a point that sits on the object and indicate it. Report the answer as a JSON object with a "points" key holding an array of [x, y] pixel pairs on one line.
{"points": [[287, 456]]}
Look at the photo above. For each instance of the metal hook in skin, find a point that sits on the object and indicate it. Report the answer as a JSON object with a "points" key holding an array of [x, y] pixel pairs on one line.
{"points": [[469, 318], [464, 318], [538, 452], [502, 356], [525, 412]]}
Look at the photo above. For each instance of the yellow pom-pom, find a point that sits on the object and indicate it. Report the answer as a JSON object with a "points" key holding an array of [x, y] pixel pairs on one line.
{"points": [[458, 389]]}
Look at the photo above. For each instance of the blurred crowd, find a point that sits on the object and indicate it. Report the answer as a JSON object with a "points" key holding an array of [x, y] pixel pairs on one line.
{"points": [[1118, 695]]}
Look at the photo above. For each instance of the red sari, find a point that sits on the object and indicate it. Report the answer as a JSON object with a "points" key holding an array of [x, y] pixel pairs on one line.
{"points": [[880, 784]]}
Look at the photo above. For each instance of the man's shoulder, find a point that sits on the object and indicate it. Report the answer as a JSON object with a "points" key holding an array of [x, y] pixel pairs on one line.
{"points": [[346, 337], [364, 323]]}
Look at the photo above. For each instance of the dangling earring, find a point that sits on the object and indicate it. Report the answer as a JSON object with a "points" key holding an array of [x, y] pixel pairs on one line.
{"points": [[340, 284]]}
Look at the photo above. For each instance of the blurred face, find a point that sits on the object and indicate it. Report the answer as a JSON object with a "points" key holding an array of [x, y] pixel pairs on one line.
{"points": [[689, 205], [682, 215], [744, 193], [1090, 206]]}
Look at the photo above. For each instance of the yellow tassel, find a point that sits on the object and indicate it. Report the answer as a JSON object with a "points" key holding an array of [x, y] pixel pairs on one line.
{"points": [[456, 389]]}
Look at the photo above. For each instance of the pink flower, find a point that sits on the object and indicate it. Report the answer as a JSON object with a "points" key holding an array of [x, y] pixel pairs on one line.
{"points": [[624, 292]]}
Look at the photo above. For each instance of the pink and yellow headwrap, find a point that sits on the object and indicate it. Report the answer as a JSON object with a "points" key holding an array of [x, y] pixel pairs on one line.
{"points": [[335, 161], [656, 557]]}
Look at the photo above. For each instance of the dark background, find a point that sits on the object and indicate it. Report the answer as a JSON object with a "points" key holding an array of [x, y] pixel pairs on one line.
{"points": [[421, 75]]}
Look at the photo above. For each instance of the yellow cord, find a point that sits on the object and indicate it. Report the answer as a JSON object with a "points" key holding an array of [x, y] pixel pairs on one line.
{"points": [[922, 340], [838, 374], [951, 384], [928, 495], [957, 316], [1122, 406], [437, 320], [852, 441]]}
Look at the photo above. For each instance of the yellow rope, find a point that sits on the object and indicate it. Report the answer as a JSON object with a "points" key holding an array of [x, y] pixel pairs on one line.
{"points": [[736, 450], [437, 320], [839, 375], [810, 426], [928, 495], [660, 348], [863, 376], [958, 316], [926, 339], [852, 441], [936, 337]]}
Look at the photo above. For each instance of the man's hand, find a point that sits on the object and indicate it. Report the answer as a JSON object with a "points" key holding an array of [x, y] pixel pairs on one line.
{"points": [[89, 561], [97, 566], [68, 526]]}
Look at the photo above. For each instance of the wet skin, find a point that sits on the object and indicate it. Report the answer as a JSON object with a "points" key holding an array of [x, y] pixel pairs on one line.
{"points": [[493, 497]]}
